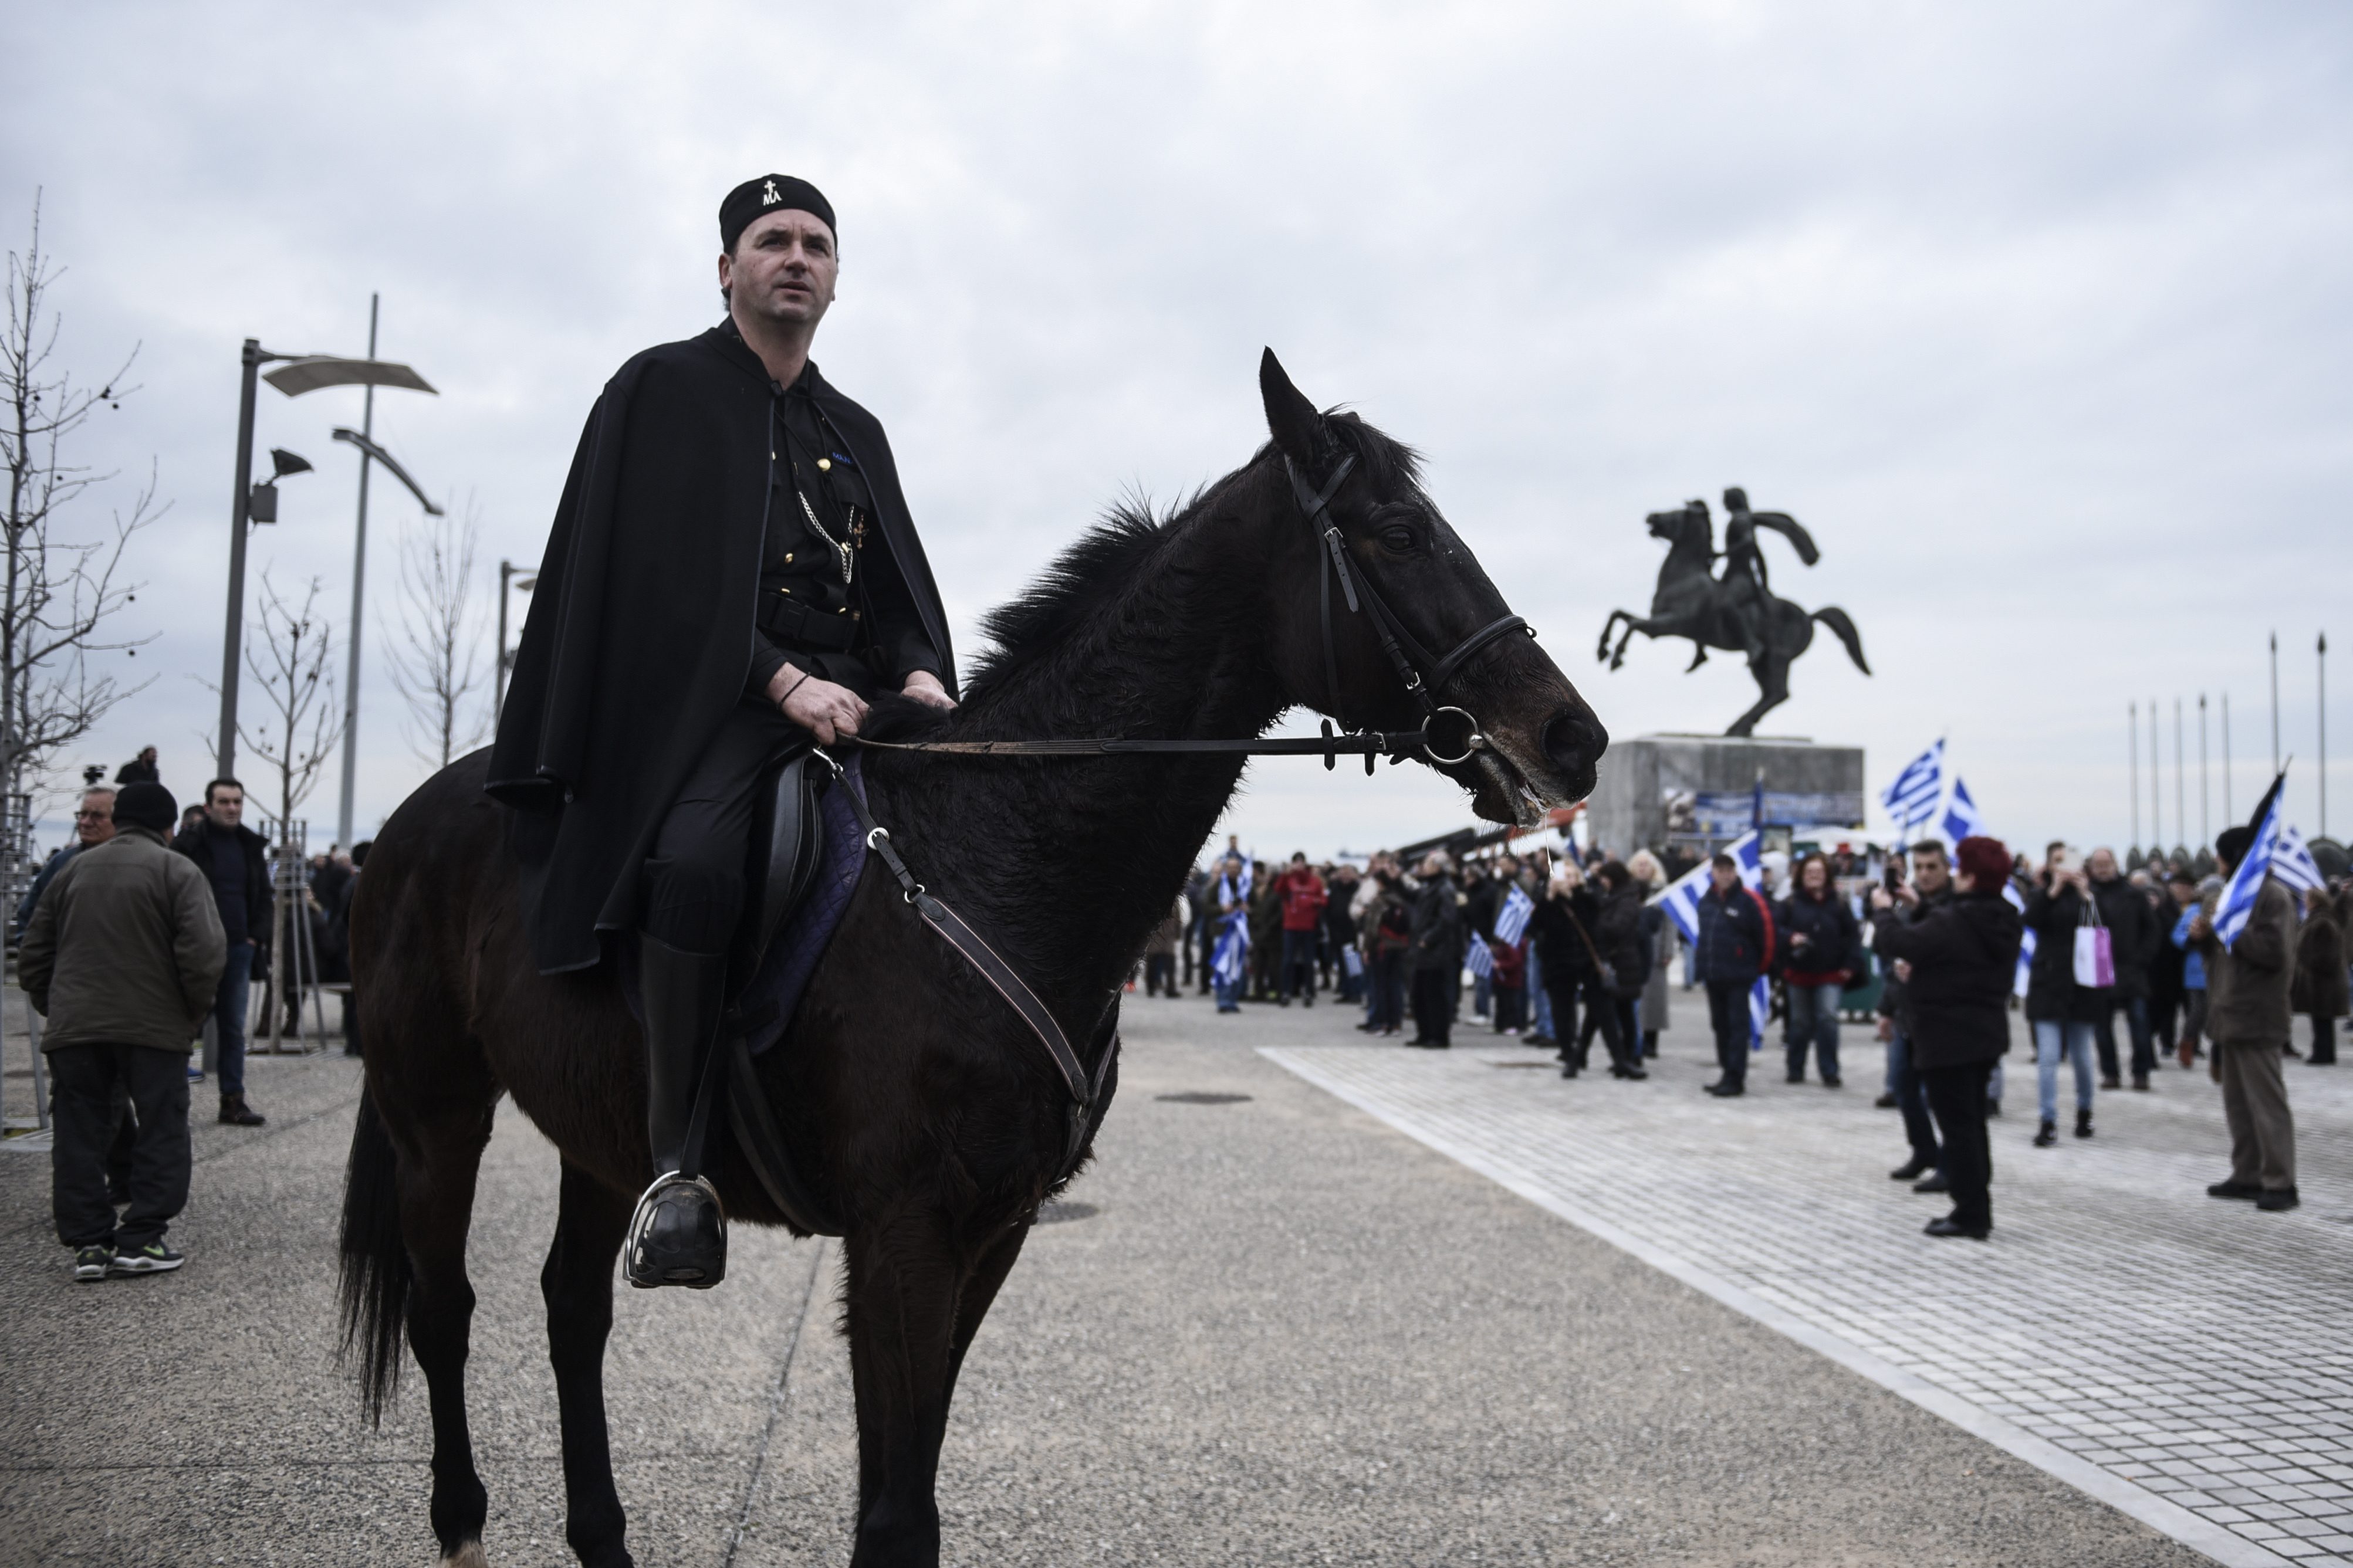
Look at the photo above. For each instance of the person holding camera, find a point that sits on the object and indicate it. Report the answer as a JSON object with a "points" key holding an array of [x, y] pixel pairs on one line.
{"points": [[1962, 954], [2065, 1014]]}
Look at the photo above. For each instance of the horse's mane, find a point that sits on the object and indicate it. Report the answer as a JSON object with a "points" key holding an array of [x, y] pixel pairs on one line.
{"points": [[1107, 558]]}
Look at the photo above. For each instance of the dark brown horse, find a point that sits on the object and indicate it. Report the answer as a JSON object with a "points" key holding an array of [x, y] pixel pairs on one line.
{"points": [[928, 1114]]}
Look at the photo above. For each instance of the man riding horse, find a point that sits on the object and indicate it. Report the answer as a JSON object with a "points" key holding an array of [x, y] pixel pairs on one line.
{"points": [[1748, 585], [732, 572]]}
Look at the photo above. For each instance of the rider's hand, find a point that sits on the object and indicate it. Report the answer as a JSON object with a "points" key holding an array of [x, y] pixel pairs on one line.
{"points": [[816, 704], [925, 687]]}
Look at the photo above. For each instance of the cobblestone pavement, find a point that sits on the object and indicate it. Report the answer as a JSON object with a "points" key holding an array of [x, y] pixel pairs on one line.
{"points": [[2186, 1359], [1269, 1331]]}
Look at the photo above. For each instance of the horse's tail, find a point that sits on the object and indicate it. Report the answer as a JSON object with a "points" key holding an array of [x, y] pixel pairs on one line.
{"points": [[375, 1266], [1835, 618]]}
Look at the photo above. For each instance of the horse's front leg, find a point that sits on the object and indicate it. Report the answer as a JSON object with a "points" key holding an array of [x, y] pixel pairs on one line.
{"points": [[1609, 629], [904, 1280], [436, 1177], [578, 1285]]}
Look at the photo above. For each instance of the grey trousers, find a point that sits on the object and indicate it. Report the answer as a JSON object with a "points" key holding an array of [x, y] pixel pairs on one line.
{"points": [[2255, 1101]]}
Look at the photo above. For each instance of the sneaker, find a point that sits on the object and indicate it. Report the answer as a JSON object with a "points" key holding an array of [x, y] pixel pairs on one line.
{"points": [[153, 1259], [92, 1263]]}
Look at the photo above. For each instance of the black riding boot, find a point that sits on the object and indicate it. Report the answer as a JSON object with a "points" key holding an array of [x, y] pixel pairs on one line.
{"points": [[678, 1233]]}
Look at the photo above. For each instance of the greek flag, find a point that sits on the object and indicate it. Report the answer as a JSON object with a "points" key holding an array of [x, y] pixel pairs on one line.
{"points": [[1911, 800], [1962, 818], [1681, 904], [1233, 942], [2026, 944], [2238, 905], [2292, 864], [1481, 958], [1512, 924]]}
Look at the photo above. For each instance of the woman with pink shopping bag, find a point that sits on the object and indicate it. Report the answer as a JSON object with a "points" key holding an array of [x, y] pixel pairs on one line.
{"points": [[2068, 991]]}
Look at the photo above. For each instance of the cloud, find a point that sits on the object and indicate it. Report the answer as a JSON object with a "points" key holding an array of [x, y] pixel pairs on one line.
{"points": [[2035, 317]]}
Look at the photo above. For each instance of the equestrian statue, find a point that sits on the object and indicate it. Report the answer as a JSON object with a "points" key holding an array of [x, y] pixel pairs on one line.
{"points": [[1736, 612], [763, 918]]}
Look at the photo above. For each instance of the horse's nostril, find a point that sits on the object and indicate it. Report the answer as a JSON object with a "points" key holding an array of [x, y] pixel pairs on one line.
{"points": [[1573, 740]]}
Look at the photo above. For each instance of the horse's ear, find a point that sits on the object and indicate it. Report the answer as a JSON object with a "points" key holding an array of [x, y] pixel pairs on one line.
{"points": [[1291, 419]]}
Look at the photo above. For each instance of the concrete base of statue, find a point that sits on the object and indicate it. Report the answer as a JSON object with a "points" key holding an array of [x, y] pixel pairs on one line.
{"points": [[1698, 791]]}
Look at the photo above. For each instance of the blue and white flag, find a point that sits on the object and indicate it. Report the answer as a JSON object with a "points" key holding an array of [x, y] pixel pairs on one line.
{"points": [[1962, 818], [2238, 905], [1233, 942], [2293, 863], [1481, 960], [1681, 902], [1512, 922], [1912, 799], [1681, 899], [2026, 943]]}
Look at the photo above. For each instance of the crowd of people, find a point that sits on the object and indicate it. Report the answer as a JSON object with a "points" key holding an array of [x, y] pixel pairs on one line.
{"points": [[1930, 941]]}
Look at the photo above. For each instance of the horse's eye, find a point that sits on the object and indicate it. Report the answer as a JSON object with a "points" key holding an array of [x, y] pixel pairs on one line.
{"points": [[1397, 537]]}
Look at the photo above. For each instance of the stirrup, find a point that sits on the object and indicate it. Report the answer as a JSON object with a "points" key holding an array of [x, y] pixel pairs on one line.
{"points": [[677, 1235]]}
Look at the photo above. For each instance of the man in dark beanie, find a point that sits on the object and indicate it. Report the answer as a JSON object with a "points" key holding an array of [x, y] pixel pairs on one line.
{"points": [[732, 572], [122, 956]]}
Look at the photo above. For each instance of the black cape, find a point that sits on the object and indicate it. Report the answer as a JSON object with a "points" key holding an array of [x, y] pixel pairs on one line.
{"points": [[639, 634]]}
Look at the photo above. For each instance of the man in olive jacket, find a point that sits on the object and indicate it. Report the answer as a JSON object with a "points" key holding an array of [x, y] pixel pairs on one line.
{"points": [[122, 957], [2247, 1018]]}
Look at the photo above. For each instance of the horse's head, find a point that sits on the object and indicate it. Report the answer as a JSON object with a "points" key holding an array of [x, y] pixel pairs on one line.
{"points": [[1509, 727], [1687, 526]]}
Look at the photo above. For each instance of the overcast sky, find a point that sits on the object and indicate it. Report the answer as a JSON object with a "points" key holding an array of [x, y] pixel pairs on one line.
{"points": [[2037, 317]]}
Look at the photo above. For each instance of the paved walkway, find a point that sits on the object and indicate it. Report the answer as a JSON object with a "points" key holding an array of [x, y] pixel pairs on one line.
{"points": [[1285, 1334], [2187, 1359]]}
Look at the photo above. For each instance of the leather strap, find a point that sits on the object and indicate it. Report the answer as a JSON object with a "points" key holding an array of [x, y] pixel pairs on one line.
{"points": [[781, 616], [761, 1141]]}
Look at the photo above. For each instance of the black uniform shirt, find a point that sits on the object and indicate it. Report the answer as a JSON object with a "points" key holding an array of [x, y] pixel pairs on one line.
{"points": [[818, 502]]}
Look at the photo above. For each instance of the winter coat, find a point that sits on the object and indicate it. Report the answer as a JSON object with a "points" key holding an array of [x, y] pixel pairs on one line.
{"points": [[1659, 941], [1618, 935], [2133, 934], [1735, 935], [1833, 944], [1481, 899], [1964, 954], [2247, 984], [1303, 897], [2319, 988], [125, 948], [2052, 994], [196, 843], [1437, 927], [1163, 942], [1560, 947]]}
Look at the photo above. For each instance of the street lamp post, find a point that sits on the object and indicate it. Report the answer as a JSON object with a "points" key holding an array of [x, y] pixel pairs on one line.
{"points": [[297, 375], [525, 579]]}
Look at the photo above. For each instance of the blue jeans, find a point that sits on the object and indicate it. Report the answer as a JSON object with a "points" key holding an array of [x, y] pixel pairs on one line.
{"points": [[1912, 1099], [1386, 972], [1539, 999], [1814, 1020], [1230, 995], [2053, 1040], [229, 1003]]}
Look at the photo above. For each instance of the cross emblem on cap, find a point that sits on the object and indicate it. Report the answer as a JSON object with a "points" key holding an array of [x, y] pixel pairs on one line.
{"points": [[768, 196]]}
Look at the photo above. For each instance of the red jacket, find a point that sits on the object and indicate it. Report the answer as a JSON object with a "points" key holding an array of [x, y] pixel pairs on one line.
{"points": [[1302, 893]]}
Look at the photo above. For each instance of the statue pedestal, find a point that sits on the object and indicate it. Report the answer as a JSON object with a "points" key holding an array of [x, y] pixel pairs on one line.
{"points": [[1696, 792]]}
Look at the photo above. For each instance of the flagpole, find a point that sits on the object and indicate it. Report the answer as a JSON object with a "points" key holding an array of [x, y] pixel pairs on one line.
{"points": [[2323, 654], [2228, 814], [2156, 776], [2132, 722], [2275, 767], [2181, 785], [2205, 795]]}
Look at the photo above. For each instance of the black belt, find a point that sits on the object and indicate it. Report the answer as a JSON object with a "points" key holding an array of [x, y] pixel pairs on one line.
{"points": [[794, 624]]}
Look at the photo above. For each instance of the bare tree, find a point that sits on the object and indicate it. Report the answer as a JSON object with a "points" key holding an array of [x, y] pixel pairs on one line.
{"points": [[58, 591], [290, 658], [437, 660]]}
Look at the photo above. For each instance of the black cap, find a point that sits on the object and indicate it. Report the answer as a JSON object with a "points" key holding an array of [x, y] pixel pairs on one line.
{"points": [[148, 806], [768, 193]]}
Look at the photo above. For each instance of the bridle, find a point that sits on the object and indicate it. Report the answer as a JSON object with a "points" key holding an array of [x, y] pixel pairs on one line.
{"points": [[1423, 672], [1407, 655]]}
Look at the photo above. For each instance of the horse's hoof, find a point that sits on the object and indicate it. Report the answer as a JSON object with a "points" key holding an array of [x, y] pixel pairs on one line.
{"points": [[469, 1555]]}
